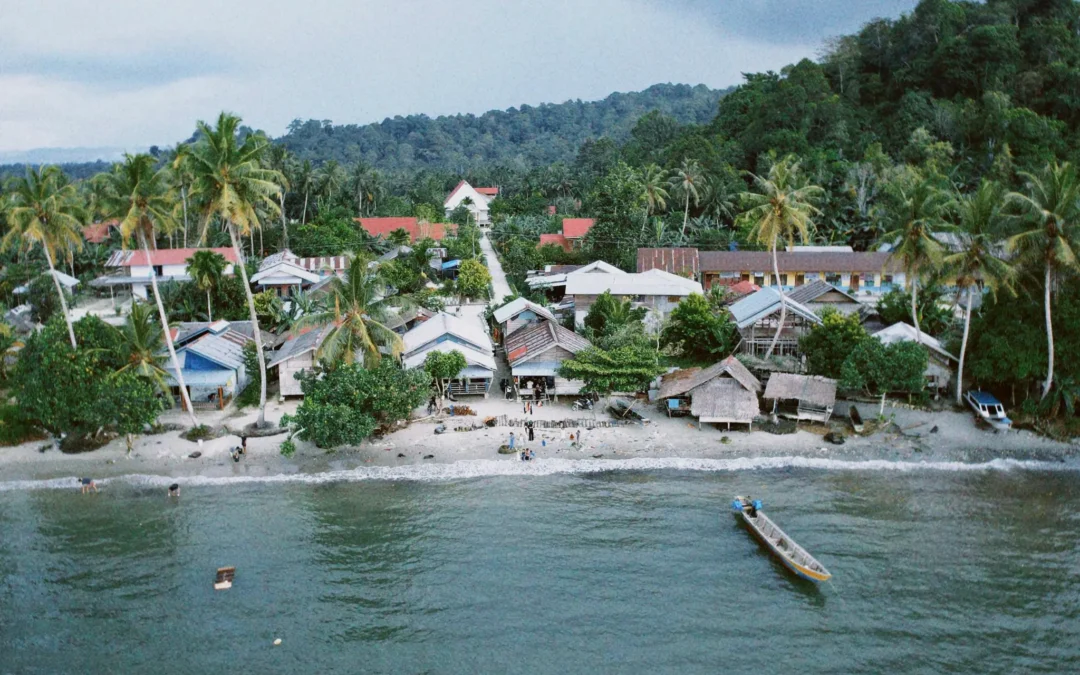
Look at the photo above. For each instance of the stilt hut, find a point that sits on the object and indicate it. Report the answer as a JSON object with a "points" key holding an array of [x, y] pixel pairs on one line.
{"points": [[802, 397], [724, 393]]}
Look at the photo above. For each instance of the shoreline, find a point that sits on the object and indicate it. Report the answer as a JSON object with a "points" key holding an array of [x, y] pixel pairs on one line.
{"points": [[663, 443]]}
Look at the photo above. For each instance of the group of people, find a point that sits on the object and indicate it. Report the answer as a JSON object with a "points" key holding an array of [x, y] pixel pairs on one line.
{"points": [[88, 484], [239, 450], [526, 455]]}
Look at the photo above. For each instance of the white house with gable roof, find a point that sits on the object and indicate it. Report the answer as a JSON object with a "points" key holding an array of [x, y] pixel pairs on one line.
{"points": [[480, 199]]}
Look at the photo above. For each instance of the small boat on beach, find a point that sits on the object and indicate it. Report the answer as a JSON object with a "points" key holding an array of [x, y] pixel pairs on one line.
{"points": [[988, 409], [856, 419], [793, 556], [224, 578]]}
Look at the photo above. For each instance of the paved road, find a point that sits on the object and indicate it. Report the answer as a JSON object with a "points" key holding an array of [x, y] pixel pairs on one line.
{"points": [[498, 277]]}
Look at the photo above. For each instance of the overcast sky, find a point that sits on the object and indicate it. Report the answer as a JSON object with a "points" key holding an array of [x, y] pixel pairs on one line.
{"points": [[131, 73]]}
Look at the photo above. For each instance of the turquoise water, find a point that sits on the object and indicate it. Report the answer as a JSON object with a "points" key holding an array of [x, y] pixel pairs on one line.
{"points": [[640, 571]]}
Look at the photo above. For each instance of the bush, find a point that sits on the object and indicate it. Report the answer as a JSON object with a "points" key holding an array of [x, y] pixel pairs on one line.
{"points": [[895, 306], [16, 429], [288, 448], [695, 331], [828, 345], [199, 433]]}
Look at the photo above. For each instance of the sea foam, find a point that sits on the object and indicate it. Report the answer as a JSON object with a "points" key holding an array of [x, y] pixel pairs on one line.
{"points": [[482, 468]]}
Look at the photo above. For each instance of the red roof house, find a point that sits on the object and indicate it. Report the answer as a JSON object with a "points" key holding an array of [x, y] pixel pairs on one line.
{"points": [[555, 240], [576, 228], [162, 256], [98, 233], [382, 227]]}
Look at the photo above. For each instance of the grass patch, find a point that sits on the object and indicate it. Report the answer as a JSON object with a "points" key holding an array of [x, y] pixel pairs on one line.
{"points": [[200, 433]]}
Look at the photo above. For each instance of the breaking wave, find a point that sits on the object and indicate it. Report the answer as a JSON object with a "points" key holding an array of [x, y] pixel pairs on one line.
{"points": [[484, 468]]}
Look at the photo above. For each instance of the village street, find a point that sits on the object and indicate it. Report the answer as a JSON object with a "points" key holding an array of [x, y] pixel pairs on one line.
{"points": [[500, 288]]}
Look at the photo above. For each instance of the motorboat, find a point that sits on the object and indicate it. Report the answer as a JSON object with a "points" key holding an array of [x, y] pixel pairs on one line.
{"points": [[988, 409]]}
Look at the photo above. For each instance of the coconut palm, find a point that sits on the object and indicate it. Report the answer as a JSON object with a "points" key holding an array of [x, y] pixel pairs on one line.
{"points": [[978, 264], [303, 178], [141, 347], [357, 313], [231, 184], [279, 159], [653, 192], [1051, 208], [206, 269], [181, 178], [689, 180], [139, 196], [914, 213], [330, 177], [44, 209], [780, 210]]}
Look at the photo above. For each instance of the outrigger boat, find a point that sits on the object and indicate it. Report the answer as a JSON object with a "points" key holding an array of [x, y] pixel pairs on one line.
{"points": [[989, 409], [224, 578], [794, 557]]}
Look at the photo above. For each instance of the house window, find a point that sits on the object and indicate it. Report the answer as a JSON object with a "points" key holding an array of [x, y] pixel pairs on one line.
{"points": [[832, 278], [673, 299], [745, 276], [158, 271], [886, 280], [800, 279], [759, 279]]}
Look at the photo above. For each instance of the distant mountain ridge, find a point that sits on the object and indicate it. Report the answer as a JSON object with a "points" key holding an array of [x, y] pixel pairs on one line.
{"points": [[62, 155], [523, 136]]}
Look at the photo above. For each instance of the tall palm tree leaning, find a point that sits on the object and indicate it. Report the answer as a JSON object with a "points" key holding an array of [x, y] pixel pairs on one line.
{"points": [[206, 269], [977, 265], [1053, 240], [230, 182], [653, 192], [780, 210], [139, 196], [44, 209], [689, 180], [913, 216], [357, 315], [279, 159]]}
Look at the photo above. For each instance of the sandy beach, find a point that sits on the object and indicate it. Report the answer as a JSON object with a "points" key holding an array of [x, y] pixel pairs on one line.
{"points": [[908, 438]]}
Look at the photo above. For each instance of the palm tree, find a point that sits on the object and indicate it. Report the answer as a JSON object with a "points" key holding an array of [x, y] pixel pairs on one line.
{"points": [[689, 180], [44, 209], [206, 269], [914, 214], [231, 184], [330, 177], [357, 314], [653, 192], [141, 344], [139, 196], [1053, 242], [181, 175], [279, 159], [978, 264], [781, 209], [304, 178]]}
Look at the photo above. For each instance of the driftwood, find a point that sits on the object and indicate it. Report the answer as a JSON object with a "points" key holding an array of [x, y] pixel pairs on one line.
{"points": [[253, 431]]}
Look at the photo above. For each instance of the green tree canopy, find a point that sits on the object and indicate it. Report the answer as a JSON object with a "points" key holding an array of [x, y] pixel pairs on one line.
{"points": [[626, 369], [828, 345], [697, 332]]}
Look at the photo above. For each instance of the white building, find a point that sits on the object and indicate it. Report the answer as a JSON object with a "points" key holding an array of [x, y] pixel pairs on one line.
{"points": [[480, 199], [939, 367], [445, 333], [655, 290], [167, 264]]}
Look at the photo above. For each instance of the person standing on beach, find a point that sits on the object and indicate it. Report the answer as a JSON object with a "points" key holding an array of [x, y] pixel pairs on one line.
{"points": [[243, 445], [88, 484], [511, 440], [531, 433]]}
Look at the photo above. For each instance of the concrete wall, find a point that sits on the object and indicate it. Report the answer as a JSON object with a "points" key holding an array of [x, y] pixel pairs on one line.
{"points": [[287, 383]]}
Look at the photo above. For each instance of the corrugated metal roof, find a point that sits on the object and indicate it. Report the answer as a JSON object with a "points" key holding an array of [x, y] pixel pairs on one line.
{"points": [[653, 282], [814, 290], [904, 332], [528, 343], [472, 356], [226, 349], [470, 329], [758, 305], [515, 307], [200, 378], [306, 341], [674, 260], [794, 261]]}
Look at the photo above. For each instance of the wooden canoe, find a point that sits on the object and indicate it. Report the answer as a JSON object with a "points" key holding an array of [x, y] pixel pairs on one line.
{"points": [[224, 578], [856, 419], [793, 556]]}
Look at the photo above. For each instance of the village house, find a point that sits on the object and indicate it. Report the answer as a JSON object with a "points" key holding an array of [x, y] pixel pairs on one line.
{"points": [[283, 273], [656, 290], [404, 320], [535, 353], [518, 314], [854, 272], [417, 230], [446, 332], [940, 364], [572, 235], [552, 279], [479, 201], [817, 295], [133, 267], [724, 393], [296, 356], [801, 397], [211, 357], [757, 316]]}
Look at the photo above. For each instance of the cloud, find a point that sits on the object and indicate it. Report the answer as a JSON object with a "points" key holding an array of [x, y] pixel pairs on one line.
{"points": [[132, 73]]}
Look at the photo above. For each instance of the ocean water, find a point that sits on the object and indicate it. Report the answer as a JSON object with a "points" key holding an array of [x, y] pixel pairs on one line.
{"points": [[549, 567]]}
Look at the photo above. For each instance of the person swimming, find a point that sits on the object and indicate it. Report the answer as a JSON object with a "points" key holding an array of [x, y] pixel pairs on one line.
{"points": [[174, 490]]}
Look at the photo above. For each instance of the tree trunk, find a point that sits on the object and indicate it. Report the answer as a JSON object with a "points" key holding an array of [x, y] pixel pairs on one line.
{"points": [[168, 336], [254, 321], [63, 300], [963, 350], [303, 216], [251, 240], [183, 201], [644, 223], [686, 215], [284, 226], [1049, 337], [881, 410], [209, 313], [783, 302], [914, 313]]}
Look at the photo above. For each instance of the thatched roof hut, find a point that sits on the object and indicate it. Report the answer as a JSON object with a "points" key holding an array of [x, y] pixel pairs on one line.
{"points": [[724, 393], [802, 397]]}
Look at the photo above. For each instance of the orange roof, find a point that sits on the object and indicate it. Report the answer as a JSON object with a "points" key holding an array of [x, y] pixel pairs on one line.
{"points": [[163, 256], [743, 288], [556, 239], [576, 228], [99, 232], [382, 227], [489, 191]]}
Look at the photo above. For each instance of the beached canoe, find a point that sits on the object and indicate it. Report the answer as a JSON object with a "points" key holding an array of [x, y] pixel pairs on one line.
{"points": [[793, 556], [856, 419]]}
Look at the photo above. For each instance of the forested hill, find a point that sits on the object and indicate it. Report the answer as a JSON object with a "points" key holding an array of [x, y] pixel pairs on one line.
{"points": [[519, 137]]}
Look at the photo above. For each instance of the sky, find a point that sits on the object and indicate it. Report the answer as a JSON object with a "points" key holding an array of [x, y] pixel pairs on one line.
{"points": [[133, 73]]}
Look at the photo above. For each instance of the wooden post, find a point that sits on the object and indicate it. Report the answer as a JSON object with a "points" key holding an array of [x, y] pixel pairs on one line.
{"points": [[221, 398]]}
